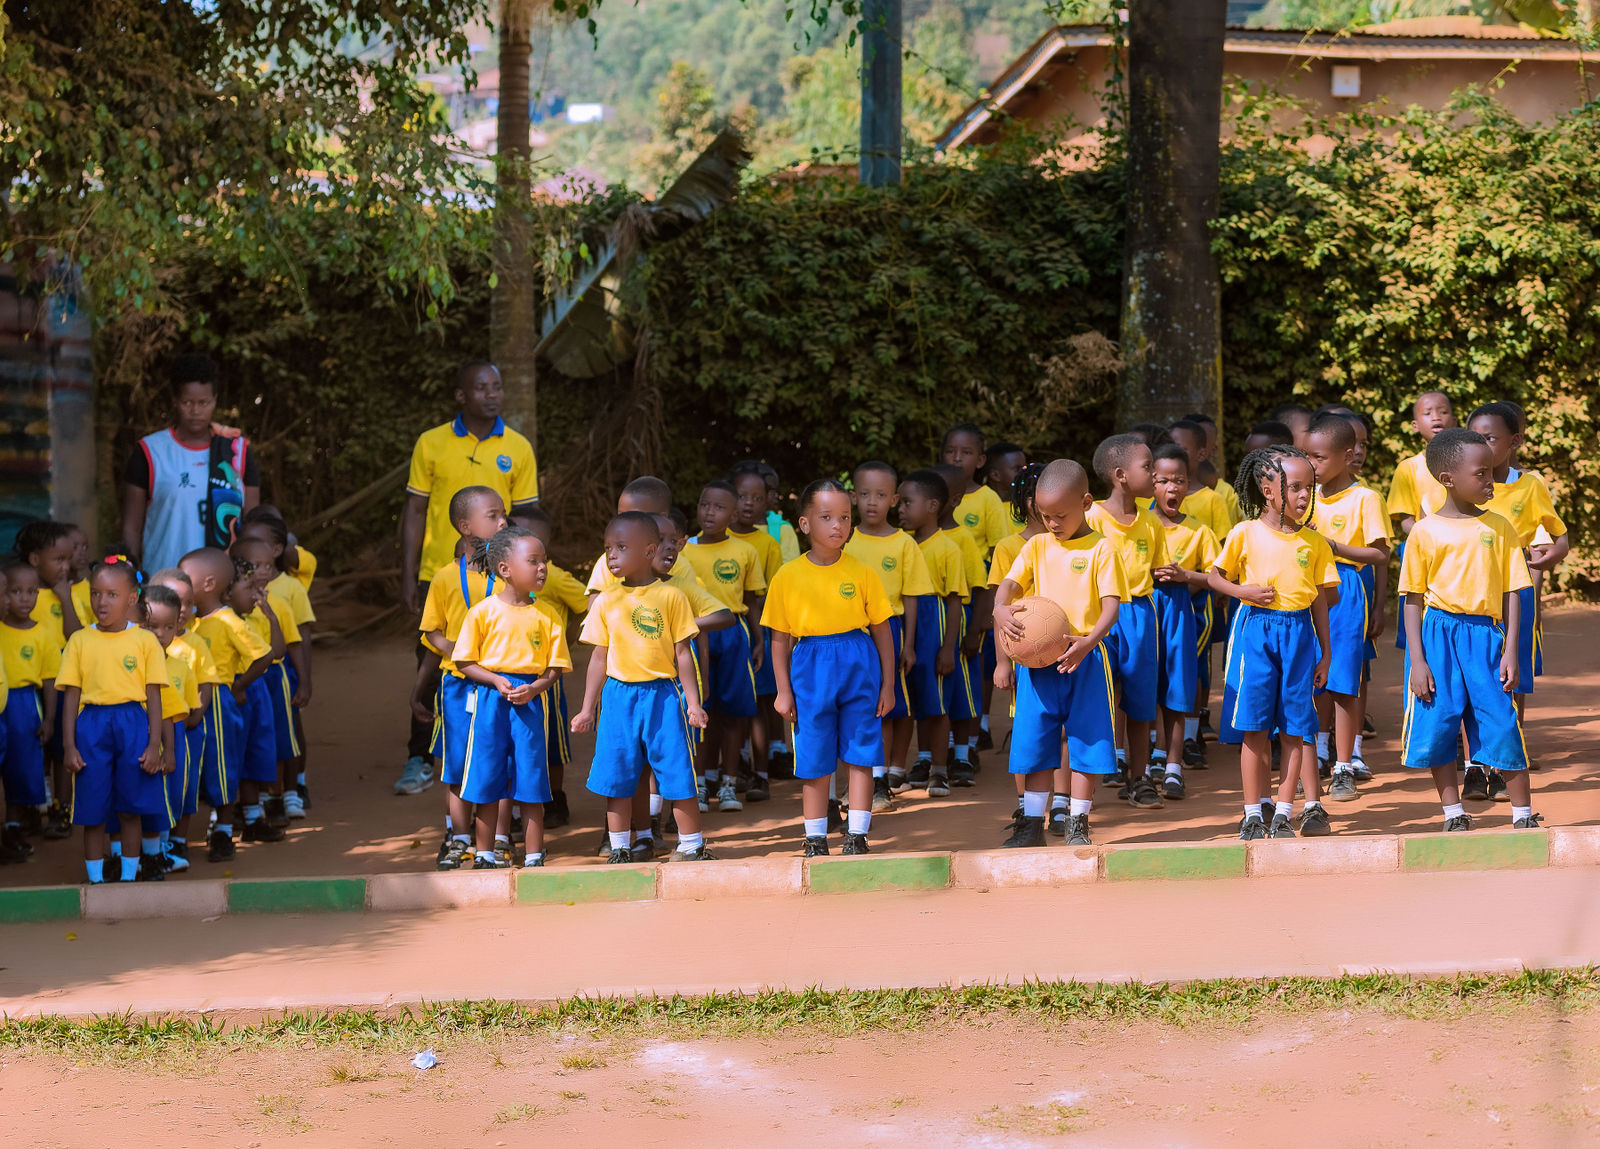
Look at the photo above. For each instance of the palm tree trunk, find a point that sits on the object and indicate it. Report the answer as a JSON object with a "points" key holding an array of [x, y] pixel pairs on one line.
{"points": [[1171, 324], [513, 316]]}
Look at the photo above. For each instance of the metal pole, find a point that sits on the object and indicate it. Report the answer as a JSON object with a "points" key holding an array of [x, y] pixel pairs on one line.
{"points": [[881, 45]]}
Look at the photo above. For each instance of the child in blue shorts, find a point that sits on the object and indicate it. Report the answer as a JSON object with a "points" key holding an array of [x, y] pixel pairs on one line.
{"points": [[641, 697], [939, 675], [1277, 655], [511, 652], [259, 771], [272, 698], [180, 712], [112, 674], [1461, 574], [31, 663], [1076, 567], [200, 749], [833, 658], [977, 620]]}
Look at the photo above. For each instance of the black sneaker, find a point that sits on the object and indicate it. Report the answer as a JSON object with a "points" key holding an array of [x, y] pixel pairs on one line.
{"points": [[178, 852], [620, 857], [1118, 778], [1205, 724], [57, 825], [453, 854], [556, 813], [305, 794], [219, 847], [444, 851], [835, 816], [152, 868], [1459, 822], [985, 739], [1145, 796], [921, 771], [816, 848], [1281, 827], [780, 764], [497, 862], [1531, 822], [1475, 786], [1029, 832], [603, 847], [15, 840], [1194, 754], [700, 853], [1360, 769], [261, 831], [1314, 822], [897, 781], [1252, 828], [759, 789], [1058, 822], [938, 785], [882, 798], [1172, 788], [32, 821], [502, 852], [1497, 787], [854, 844], [963, 774], [272, 809], [1078, 830], [1343, 787], [644, 850]]}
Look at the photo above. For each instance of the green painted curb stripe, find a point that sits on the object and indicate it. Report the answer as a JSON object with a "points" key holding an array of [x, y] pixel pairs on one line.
{"points": [[47, 904], [298, 896], [1518, 850], [860, 875], [608, 884], [1175, 862]]}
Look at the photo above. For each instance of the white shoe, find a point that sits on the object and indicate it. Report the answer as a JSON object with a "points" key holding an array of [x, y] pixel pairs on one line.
{"points": [[728, 797]]}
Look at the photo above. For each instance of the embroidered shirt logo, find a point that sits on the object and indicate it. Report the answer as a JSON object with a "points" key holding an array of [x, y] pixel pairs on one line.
{"points": [[847, 590], [647, 621], [504, 463], [726, 570]]}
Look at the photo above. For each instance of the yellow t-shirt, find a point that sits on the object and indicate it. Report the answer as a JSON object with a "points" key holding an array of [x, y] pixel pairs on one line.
{"points": [[1352, 518], [807, 600], [1297, 566], [701, 601], [511, 639], [1210, 508], [112, 667], [1230, 499], [1191, 545], [182, 693], [1464, 566], [1141, 545], [306, 570], [28, 661], [193, 651], [729, 570], [562, 594], [766, 546], [47, 613], [447, 458], [449, 599], [1005, 554], [292, 591], [232, 644], [640, 626], [1075, 575], [947, 570], [1413, 490], [258, 622], [80, 602], [601, 578], [984, 517], [899, 563], [1526, 505], [972, 565]]}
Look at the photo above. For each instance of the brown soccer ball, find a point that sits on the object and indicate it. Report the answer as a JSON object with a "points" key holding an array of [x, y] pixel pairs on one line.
{"points": [[1045, 633]]}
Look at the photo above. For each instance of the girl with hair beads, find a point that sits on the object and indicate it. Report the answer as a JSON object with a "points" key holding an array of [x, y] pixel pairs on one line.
{"points": [[1277, 567]]}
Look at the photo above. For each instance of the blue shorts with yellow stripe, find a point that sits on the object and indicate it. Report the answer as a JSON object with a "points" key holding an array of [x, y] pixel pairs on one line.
{"points": [[450, 731], [110, 739], [766, 684], [283, 682], [559, 751], [1530, 640], [1399, 564], [195, 739], [1135, 648], [506, 746], [1463, 653], [642, 726], [1270, 670], [224, 749], [837, 679], [260, 735], [730, 687], [902, 689], [184, 771], [22, 771], [1178, 651], [926, 686], [1348, 620], [974, 663], [1048, 701], [1204, 603], [962, 698]]}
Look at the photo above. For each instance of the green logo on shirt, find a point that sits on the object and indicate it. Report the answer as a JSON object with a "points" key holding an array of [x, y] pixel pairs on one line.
{"points": [[55, 610], [1080, 564], [1516, 508], [970, 519], [536, 640], [27, 653], [129, 662], [726, 570], [1142, 546], [847, 590], [1303, 557], [890, 562], [647, 621], [1338, 522], [1487, 538]]}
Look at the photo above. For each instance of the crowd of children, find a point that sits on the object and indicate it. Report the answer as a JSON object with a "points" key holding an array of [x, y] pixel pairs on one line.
{"points": [[722, 659]]}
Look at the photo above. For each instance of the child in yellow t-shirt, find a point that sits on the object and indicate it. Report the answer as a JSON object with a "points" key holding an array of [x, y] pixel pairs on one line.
{"points": [[180, 712], [201, 736], [939, 683], [31, 666], [977, 619], [769, 748]]}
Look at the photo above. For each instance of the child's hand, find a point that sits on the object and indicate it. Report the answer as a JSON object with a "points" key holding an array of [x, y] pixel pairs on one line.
{"points": [[1171, 572], [1540, 558], [1077, 650], [46, 729], [908, 659], [1509, 673], [420, 710], [302, 697], [503, 685], [239, 693], [758, 654], [885, 699], [784, 705], [521, 695], [1004, 674], [1257, 595], [150, 760], [1421, 680], [73, 760], [1005, 621], [583, 722], [972, 644], [697, 716], [1319, 676], [1375, 628], [945, 664]]}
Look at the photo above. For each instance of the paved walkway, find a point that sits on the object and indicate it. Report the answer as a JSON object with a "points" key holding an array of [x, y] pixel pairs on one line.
{"points": [[1317, 926]]}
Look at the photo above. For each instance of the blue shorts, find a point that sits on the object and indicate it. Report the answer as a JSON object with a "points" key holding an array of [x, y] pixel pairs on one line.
{"points": [[260, 737], [766, 684], [1530, 640], [1048, 700], [506, 747], [1204, 603], [559, 750], [282, 681], [1135, 649], [194, 738], [961, 700], [454, 721], [22, 771], [836, 680], [1271, 664], [1399, 564], [110, 740], [55, 749], [730, 687], [925, 687], [902, 689], [642, 726], [991, 658], [974, 664], [182, 778], [1178, 657], [223, 762], [1348, 620], [1221, 626], [1463, 652]]}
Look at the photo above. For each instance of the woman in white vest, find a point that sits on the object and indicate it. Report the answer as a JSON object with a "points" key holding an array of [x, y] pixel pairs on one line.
{"points": [[186, 485]]}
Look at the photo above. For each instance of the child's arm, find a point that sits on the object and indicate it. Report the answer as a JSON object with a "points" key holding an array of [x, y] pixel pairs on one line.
{"points": [[169, 746], [279, 646], [593, 682], [908, 638], [1421, 677], [1380, 606], [1549, 556], [528, 691], [1511, 611], [1249, 592], [1079, 646], [946, 663], [758, 649], [1319, 621], [691, 688], [1405, 523], [252, 672], [717, 620], [299, 656], [884, 641], [150, 760], [1004, 616], [982, 620], [782, 649], [421, 704], [70, 622], [69, 728], [472, 672], [47, 727], [1366, 556], [198, 716], [437, 640]]}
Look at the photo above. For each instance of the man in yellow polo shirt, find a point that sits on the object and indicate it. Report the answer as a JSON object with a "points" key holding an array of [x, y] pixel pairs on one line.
{"points": [[475, 449]]}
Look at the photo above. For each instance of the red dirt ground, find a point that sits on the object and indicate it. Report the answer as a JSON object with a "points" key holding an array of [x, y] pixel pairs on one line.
{"points": [[356, 727]]}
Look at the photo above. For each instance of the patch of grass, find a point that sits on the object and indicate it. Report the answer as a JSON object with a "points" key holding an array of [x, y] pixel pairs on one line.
{"points": [[345, 1075], [1053, 1119], [572, 1095], [516, 1113], [582, 1061], [283, 1109], [1233, 1002]]}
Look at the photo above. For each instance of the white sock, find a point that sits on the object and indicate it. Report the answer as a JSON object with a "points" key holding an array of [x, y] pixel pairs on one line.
{"points": [[1191, 729], [1341, 767], [1521, 812], [962, 752], [1080, 806], [880, 771], [253, 813], [95, 870], [924, 756], [500, 839], [712, 778], [1314, 804], [448, 825], [1174, 767], [300, 778], [860, 821], [1357, 751], [833, 786], [1322, 745], [644, 836], [952, 742], [516, 810], [619, 839], [1122, 757], [1253, 809], [150, 846], [1152, 737], [777, 747], [461, 838], [1033, 803], [485, 855], [688, 843], [220, 827], [116, 848], [972, 743], [536, 856], [1158, 757], [657, 804], [816, 827], [130, 869], [1454, 811], [1057, 802], [1284, 808], [983, 722]]}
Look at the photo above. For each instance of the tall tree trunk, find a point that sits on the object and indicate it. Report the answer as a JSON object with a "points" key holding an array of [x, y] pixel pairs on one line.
{"points": [[513, 318], [1171, 325], [882, 43]]}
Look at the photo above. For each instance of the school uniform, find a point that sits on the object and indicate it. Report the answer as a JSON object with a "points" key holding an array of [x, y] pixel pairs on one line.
{"points": [[899, 564], [455, 589], [192, 651], [48, 614], [561, 597], [1463, 568], [729, 570], [508, 745], [449, 457], [112, 671], [1413, 492], [1135, 642], [968, 703], [234, 647], [834, 671], [275, 698], [1005, 553], [643, 719], [931, 693], [1353, 517], [1524, 501], [306, 568], [1076, 575], [31, 667], [1273, 650], [982, 514], [771, 560], [1183, 618], [179, 698]]}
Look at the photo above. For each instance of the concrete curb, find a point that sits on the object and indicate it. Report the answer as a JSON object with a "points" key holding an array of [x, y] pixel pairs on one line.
{"points": [[1566, 846]]}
